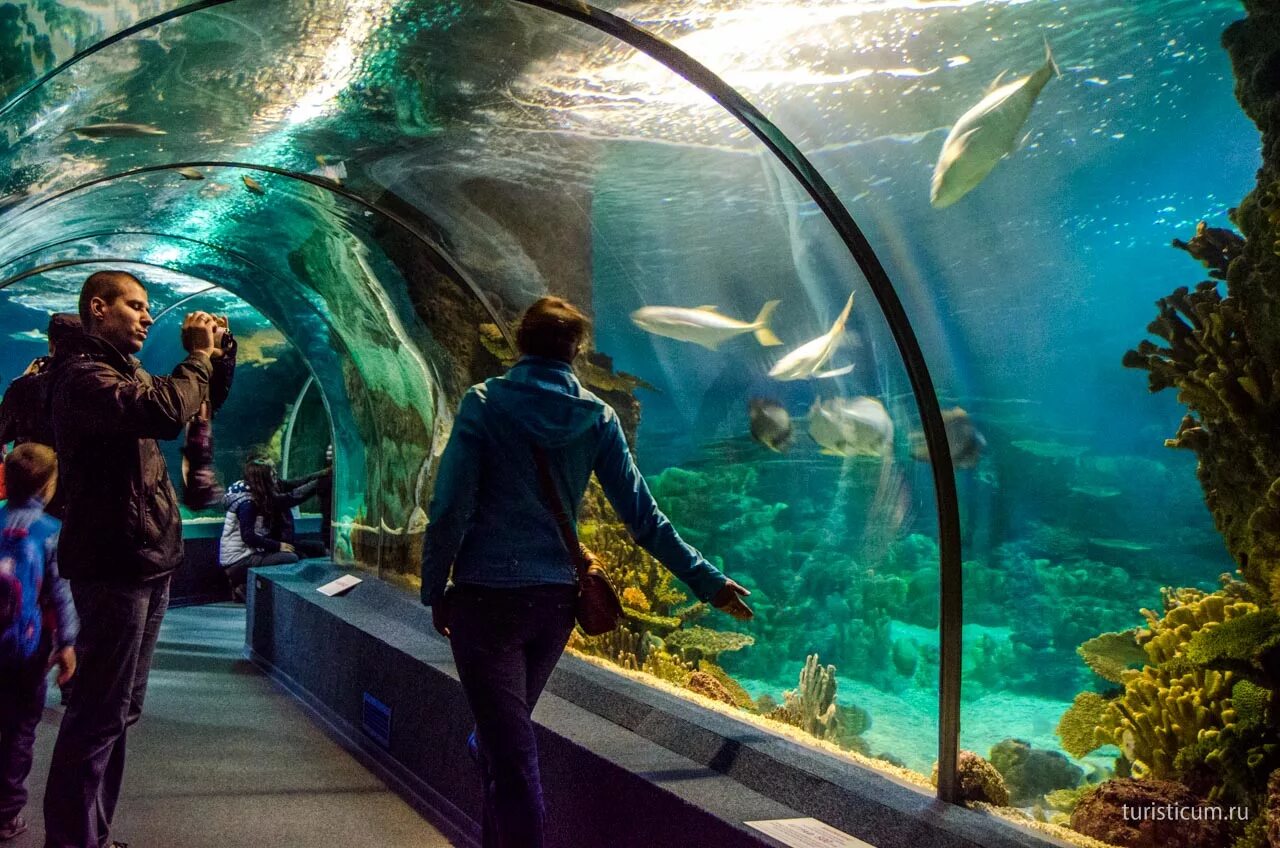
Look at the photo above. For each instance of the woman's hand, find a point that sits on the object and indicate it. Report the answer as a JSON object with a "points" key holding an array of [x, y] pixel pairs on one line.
{"points": [[729, 599]]}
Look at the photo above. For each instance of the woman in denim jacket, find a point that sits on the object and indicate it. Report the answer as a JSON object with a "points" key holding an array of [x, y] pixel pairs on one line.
{"points": [[509, 611]]}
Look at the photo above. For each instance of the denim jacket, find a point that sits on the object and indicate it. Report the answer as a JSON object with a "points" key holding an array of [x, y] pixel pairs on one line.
{"points": [[488, 521]]}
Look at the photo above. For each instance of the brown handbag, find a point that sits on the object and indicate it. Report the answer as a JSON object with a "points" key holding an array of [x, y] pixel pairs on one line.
{"points": [[598, 609]]}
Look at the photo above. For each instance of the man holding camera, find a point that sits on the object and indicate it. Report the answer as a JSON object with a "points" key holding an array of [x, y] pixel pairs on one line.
{"points": [[121, 536]]}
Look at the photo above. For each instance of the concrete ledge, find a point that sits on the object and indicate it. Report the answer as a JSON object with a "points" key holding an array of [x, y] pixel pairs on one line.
{"points": [[623, 764]]}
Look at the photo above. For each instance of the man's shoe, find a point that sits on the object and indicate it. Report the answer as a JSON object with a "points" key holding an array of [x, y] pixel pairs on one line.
{"points": [[17, 825]]}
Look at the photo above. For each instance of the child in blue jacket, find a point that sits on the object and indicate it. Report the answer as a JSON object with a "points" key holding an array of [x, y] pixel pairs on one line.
{"points": [[31, 640]]}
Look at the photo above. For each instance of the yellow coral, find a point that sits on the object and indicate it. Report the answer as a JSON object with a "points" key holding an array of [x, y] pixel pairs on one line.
{"points": [[634, 598], [1168, 706], [664, 666]]}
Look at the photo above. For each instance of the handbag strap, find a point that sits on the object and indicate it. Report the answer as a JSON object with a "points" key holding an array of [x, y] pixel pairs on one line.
{"points": [[567, 534]]}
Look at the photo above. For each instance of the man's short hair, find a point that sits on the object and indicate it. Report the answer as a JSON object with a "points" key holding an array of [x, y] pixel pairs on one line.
{"points": [[552, 327], [27, 470], [107, 285]]}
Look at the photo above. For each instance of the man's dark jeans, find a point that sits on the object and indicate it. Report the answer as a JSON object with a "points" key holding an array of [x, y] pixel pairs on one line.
{"points": [[119, 624], [22, 691], [505, 644]]}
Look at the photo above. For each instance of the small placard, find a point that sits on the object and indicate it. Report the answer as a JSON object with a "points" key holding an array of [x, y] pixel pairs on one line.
{"points": [[337, 587], [807, 833]]}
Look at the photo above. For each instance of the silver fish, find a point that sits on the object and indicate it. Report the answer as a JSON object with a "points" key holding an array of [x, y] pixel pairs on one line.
{"points": [[334, 173], [704, 326], [986, 134], [858, 426], [253, 185], [97, 132], [807, 360], [963, 439], [190, 174], [770, 424]]}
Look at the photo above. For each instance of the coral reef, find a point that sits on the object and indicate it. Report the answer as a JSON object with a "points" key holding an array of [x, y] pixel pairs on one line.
{"points": [[979, 781], [709, 687], [1030, 773], [1134, 814], [811, 705]]}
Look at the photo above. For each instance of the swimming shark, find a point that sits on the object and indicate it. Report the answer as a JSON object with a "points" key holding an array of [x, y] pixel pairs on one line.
{"points": [[807, 360], [704, 326], [986, 134]]}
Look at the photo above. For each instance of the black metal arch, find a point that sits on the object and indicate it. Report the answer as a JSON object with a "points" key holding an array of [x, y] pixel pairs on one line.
{"points": [[863, 254]]}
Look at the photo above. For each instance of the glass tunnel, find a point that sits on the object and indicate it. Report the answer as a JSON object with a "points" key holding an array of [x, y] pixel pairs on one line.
{"points": [[963, 530]]}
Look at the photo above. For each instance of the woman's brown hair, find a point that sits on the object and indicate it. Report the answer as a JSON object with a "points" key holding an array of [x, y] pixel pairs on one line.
{"points": [[554, 328]]}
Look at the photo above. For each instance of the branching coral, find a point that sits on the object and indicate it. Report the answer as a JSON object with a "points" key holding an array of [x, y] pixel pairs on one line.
{"points": [[811, 706], [1172, 704]]}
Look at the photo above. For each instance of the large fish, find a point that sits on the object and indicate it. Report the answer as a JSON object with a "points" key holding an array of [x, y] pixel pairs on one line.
{"points": [[807, 360], [963, 439], [704, 326], [97, 132], [851, 427], [770, 424], [986, 134]]}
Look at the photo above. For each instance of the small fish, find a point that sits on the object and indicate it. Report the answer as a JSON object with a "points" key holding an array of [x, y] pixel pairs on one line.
{"points": [[96, 132], [964, 440], [770, 424], [851, 427], [331, 172], [29, 336], [986, 134], [704, 326], [190, 174], [253, 185], [807, 360]]}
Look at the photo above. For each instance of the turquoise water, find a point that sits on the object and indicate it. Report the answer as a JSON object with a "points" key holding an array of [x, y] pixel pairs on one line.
{"points": [[541, 155]]}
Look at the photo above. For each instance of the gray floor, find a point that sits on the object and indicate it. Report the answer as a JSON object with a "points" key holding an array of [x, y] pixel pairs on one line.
{"points": [[224, 758]]}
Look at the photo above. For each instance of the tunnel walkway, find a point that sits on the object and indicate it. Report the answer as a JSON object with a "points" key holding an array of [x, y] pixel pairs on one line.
{"points": [[224, 758]]}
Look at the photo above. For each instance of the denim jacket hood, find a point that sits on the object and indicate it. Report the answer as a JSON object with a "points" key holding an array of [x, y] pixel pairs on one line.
{"points": [[489, 522]]}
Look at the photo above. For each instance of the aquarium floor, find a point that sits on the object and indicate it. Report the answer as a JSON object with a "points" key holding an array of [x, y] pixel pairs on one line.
{"points": [[225, 758]]}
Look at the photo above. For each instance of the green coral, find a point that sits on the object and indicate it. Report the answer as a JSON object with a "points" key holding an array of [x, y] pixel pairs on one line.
{"points": [[1250, 702], [1112, 654], [1078, 727], [701, 643], [1237, 643]]}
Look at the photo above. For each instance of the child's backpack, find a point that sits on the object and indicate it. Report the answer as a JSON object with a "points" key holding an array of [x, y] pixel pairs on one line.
{"points": [[22, 555]]}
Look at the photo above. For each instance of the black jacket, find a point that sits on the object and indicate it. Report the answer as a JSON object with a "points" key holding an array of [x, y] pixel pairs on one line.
{"points": [[121, 522], [22, 411]]}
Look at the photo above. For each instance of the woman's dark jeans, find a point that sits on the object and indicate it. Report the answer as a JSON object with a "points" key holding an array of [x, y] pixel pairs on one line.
{"points": [[505, 644]]}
